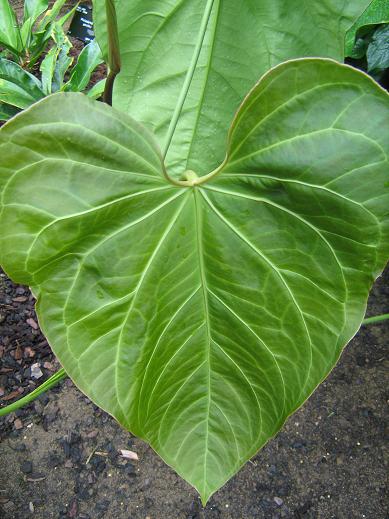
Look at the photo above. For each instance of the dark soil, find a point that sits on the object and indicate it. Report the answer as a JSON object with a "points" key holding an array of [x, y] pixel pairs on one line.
{"points": [[60, 456]]}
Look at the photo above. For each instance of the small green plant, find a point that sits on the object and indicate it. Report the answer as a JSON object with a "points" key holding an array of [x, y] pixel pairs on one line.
{"points": [[19, 88], [24, 43], [198, 273]]}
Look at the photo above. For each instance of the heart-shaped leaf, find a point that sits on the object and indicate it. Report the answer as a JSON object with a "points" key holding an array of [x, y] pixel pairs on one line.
{"points": [[202, 314], [188, 64]]}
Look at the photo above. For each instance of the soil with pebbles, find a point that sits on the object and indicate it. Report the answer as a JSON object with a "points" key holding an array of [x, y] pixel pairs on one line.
{"points": [[60, 456]]}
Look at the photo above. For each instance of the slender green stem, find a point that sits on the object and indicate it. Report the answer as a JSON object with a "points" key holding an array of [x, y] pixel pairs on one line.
{"points": [[201, 180], [113, 59], [192, 179], [189, 76], [51, 382], [376, 319]]}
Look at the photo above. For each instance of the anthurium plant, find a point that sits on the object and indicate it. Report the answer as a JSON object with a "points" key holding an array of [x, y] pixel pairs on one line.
{"points": [[202, 251], [20, 89], [25, 44], [24, 41]]}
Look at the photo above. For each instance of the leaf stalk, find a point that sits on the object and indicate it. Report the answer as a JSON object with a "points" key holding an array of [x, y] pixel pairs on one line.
{"points": [[376, 319], [48, 384], [114, 60]]}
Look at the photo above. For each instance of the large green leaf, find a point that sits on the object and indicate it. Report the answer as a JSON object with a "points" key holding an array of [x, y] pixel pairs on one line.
{"points": [[47, 68], [97, 90], [17, 86], [46, 29], [9, 29], [375, 14], [226, 47], [202, 314], [89, 58], [378, 51], [52, 14], [32, 10], [7, 111], [64, 60], [57, 61]]}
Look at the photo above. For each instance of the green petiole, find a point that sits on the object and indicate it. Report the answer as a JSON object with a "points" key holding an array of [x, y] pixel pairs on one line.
{"points": [[51, 382], [375, 319]]}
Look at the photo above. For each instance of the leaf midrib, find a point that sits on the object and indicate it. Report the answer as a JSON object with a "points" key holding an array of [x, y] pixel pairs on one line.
{"points": [[204, 89], [203, 280]]}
